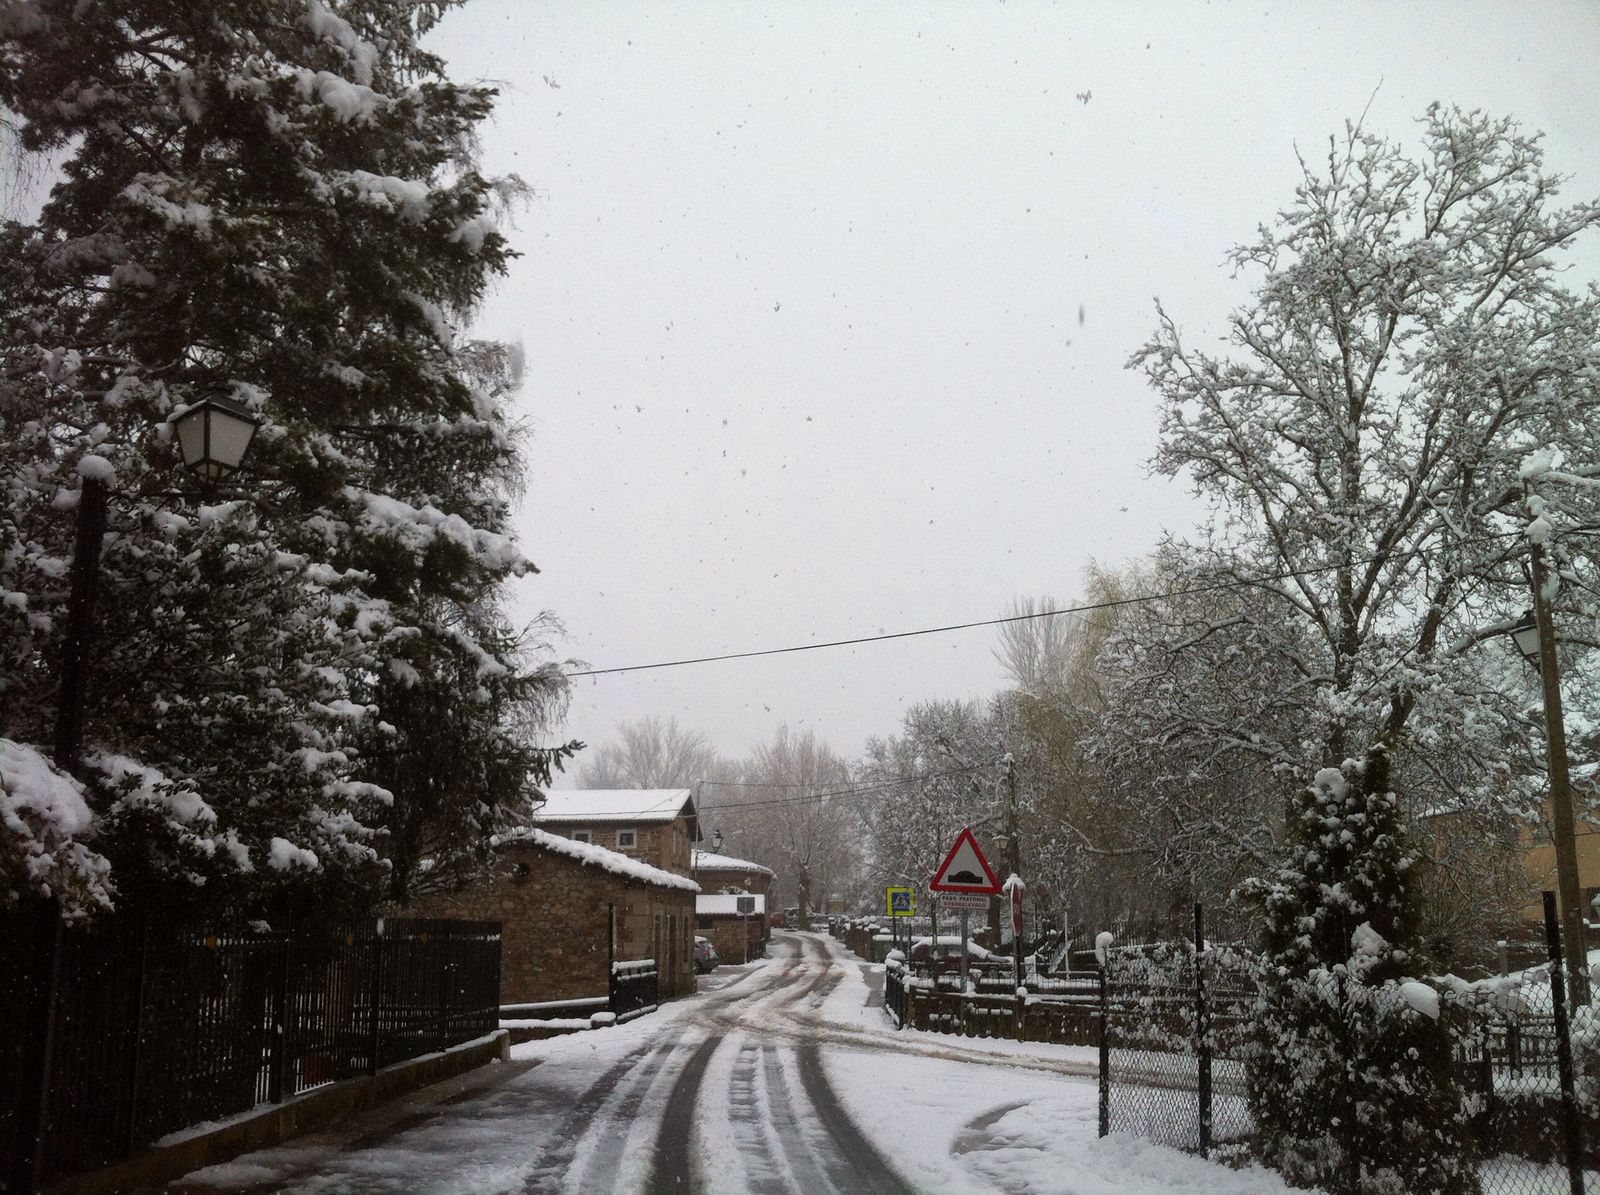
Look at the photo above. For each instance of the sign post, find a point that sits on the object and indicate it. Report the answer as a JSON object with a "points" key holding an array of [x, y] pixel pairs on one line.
{"points": [[746, 905], [1015, 887], [901, 902], [965, 881]]}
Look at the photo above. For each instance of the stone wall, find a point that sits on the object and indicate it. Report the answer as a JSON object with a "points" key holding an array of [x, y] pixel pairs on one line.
{"points": [[556, 917], [660, 844]]}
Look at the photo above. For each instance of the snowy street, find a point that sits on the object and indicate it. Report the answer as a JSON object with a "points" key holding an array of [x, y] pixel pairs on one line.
{"points": [[778, 1077]]}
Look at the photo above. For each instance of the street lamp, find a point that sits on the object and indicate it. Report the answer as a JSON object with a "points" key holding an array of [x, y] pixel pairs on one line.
{"points": [[214, 434], [716, 842], [1525, 634]]}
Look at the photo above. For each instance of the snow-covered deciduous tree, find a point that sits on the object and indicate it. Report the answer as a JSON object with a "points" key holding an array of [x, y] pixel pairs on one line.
{"points": [[304, 675], [652, 753], [1410, 345], [942, 772], [788, 817]]}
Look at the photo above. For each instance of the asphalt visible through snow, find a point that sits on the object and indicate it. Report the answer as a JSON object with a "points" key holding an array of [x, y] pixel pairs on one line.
{"points": [[734, 1073]]}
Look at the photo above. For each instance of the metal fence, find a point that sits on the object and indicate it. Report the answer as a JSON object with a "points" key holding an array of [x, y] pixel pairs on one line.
{"points": [[1063, 1009], [144, 1031], [1181, 1027], [635, 988]]}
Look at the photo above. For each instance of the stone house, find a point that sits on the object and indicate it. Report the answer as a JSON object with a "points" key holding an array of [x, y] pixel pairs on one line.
{"points": [[567, 909], [657, 826], [738, 932]]}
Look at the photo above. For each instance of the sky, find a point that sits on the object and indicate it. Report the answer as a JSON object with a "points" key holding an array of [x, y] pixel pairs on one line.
{"points": [[827, 308]]}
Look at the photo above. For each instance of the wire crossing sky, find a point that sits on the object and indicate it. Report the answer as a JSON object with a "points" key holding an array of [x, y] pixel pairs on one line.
{"points": [[826, 308]]}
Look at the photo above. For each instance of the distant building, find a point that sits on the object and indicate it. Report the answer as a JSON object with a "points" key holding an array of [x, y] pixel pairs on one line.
{"points": [[653, 825], [731, 909], [567, 909]]}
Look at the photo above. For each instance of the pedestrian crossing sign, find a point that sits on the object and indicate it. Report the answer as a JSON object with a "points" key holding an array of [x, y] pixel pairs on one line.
{"points": [[902, 902]]}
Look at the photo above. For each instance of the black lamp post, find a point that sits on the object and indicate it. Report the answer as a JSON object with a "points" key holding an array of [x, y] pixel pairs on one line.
{"points": [[213, 436], [716, 842]]}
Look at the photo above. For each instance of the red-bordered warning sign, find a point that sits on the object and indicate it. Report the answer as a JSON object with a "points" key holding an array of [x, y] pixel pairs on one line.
{"points": [[965, 869]]}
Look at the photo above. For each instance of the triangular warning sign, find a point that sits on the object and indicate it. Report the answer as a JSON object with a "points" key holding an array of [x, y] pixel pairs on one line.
{"points": [[965, 869]]}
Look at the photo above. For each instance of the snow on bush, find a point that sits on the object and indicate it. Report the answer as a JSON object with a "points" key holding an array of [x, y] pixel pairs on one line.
{"points": [[45, 817]]}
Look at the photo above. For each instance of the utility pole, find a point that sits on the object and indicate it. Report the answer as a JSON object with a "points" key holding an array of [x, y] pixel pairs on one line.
{"points": [[1013, 842], [1013, 839], [1561, 819]]}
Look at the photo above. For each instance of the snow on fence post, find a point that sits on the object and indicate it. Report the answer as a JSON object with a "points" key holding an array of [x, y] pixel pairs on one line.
{"points": [[1558, 1002], [1202, 1031], [1105, 1044]]}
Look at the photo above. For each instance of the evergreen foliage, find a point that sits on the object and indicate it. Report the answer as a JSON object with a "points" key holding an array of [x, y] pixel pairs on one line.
{"points": [[305, 674], [1353, 1089]]}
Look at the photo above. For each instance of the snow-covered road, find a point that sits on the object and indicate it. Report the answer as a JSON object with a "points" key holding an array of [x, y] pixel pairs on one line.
{"points": [[778, 1078]]}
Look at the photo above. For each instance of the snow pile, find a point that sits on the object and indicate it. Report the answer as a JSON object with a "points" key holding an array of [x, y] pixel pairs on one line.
{"points": [[284, 855], [613, 805], [1102, 945], [419, 526], [711, 861], [597, 856], [1420, 997], [331, 28], [43, 815], [403, 195], [348, 101], [96, 468]]}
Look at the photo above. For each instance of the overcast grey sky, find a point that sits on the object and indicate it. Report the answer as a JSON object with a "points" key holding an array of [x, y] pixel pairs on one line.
{"points": [[826, 306]]}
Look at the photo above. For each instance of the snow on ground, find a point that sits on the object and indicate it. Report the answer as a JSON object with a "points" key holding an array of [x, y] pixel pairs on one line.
{"points": [[778, 1078], [958, 1127]]}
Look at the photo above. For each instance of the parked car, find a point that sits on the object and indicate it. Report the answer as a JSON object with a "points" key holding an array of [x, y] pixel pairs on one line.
{"points": [[775, 920], [705, 956]]}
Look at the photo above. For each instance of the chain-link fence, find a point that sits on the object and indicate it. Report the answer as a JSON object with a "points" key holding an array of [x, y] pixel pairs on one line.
{"points": [[1516, 1089]]}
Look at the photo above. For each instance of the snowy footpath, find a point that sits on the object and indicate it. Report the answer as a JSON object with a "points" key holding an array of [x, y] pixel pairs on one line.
{"points": [[782, 1077]]}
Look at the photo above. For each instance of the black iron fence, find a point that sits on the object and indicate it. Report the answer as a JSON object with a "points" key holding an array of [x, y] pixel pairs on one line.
{"points": [[146, 1031], [635, 988]]}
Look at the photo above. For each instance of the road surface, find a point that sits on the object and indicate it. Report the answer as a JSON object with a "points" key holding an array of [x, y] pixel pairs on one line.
{"points": [[777, 1078]]}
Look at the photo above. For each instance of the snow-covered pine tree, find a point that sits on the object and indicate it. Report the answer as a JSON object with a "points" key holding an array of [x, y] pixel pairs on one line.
{"points": [[1408, 349], [274, 200]]}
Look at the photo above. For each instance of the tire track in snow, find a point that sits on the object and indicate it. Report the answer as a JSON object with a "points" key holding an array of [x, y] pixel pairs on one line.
{"points": [[858, 1168], [560, 1149], [673, 1170]]}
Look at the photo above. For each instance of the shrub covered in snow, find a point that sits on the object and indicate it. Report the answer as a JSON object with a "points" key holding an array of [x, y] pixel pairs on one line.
{"points": [[1353, 1089]]}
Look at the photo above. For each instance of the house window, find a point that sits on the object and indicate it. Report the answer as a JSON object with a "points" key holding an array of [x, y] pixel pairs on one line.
{"points": [[627, 839], [582, 836]]}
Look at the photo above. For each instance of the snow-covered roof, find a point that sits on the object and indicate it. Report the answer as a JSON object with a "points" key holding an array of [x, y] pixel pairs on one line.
{"points": [[614, 805], [597, 856], [718, 905], [711, 861]]}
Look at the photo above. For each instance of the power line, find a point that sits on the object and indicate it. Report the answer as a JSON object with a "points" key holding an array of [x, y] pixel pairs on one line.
{"points": [[854, 790], [858, 791], [805, 784], [1087, 608]]}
